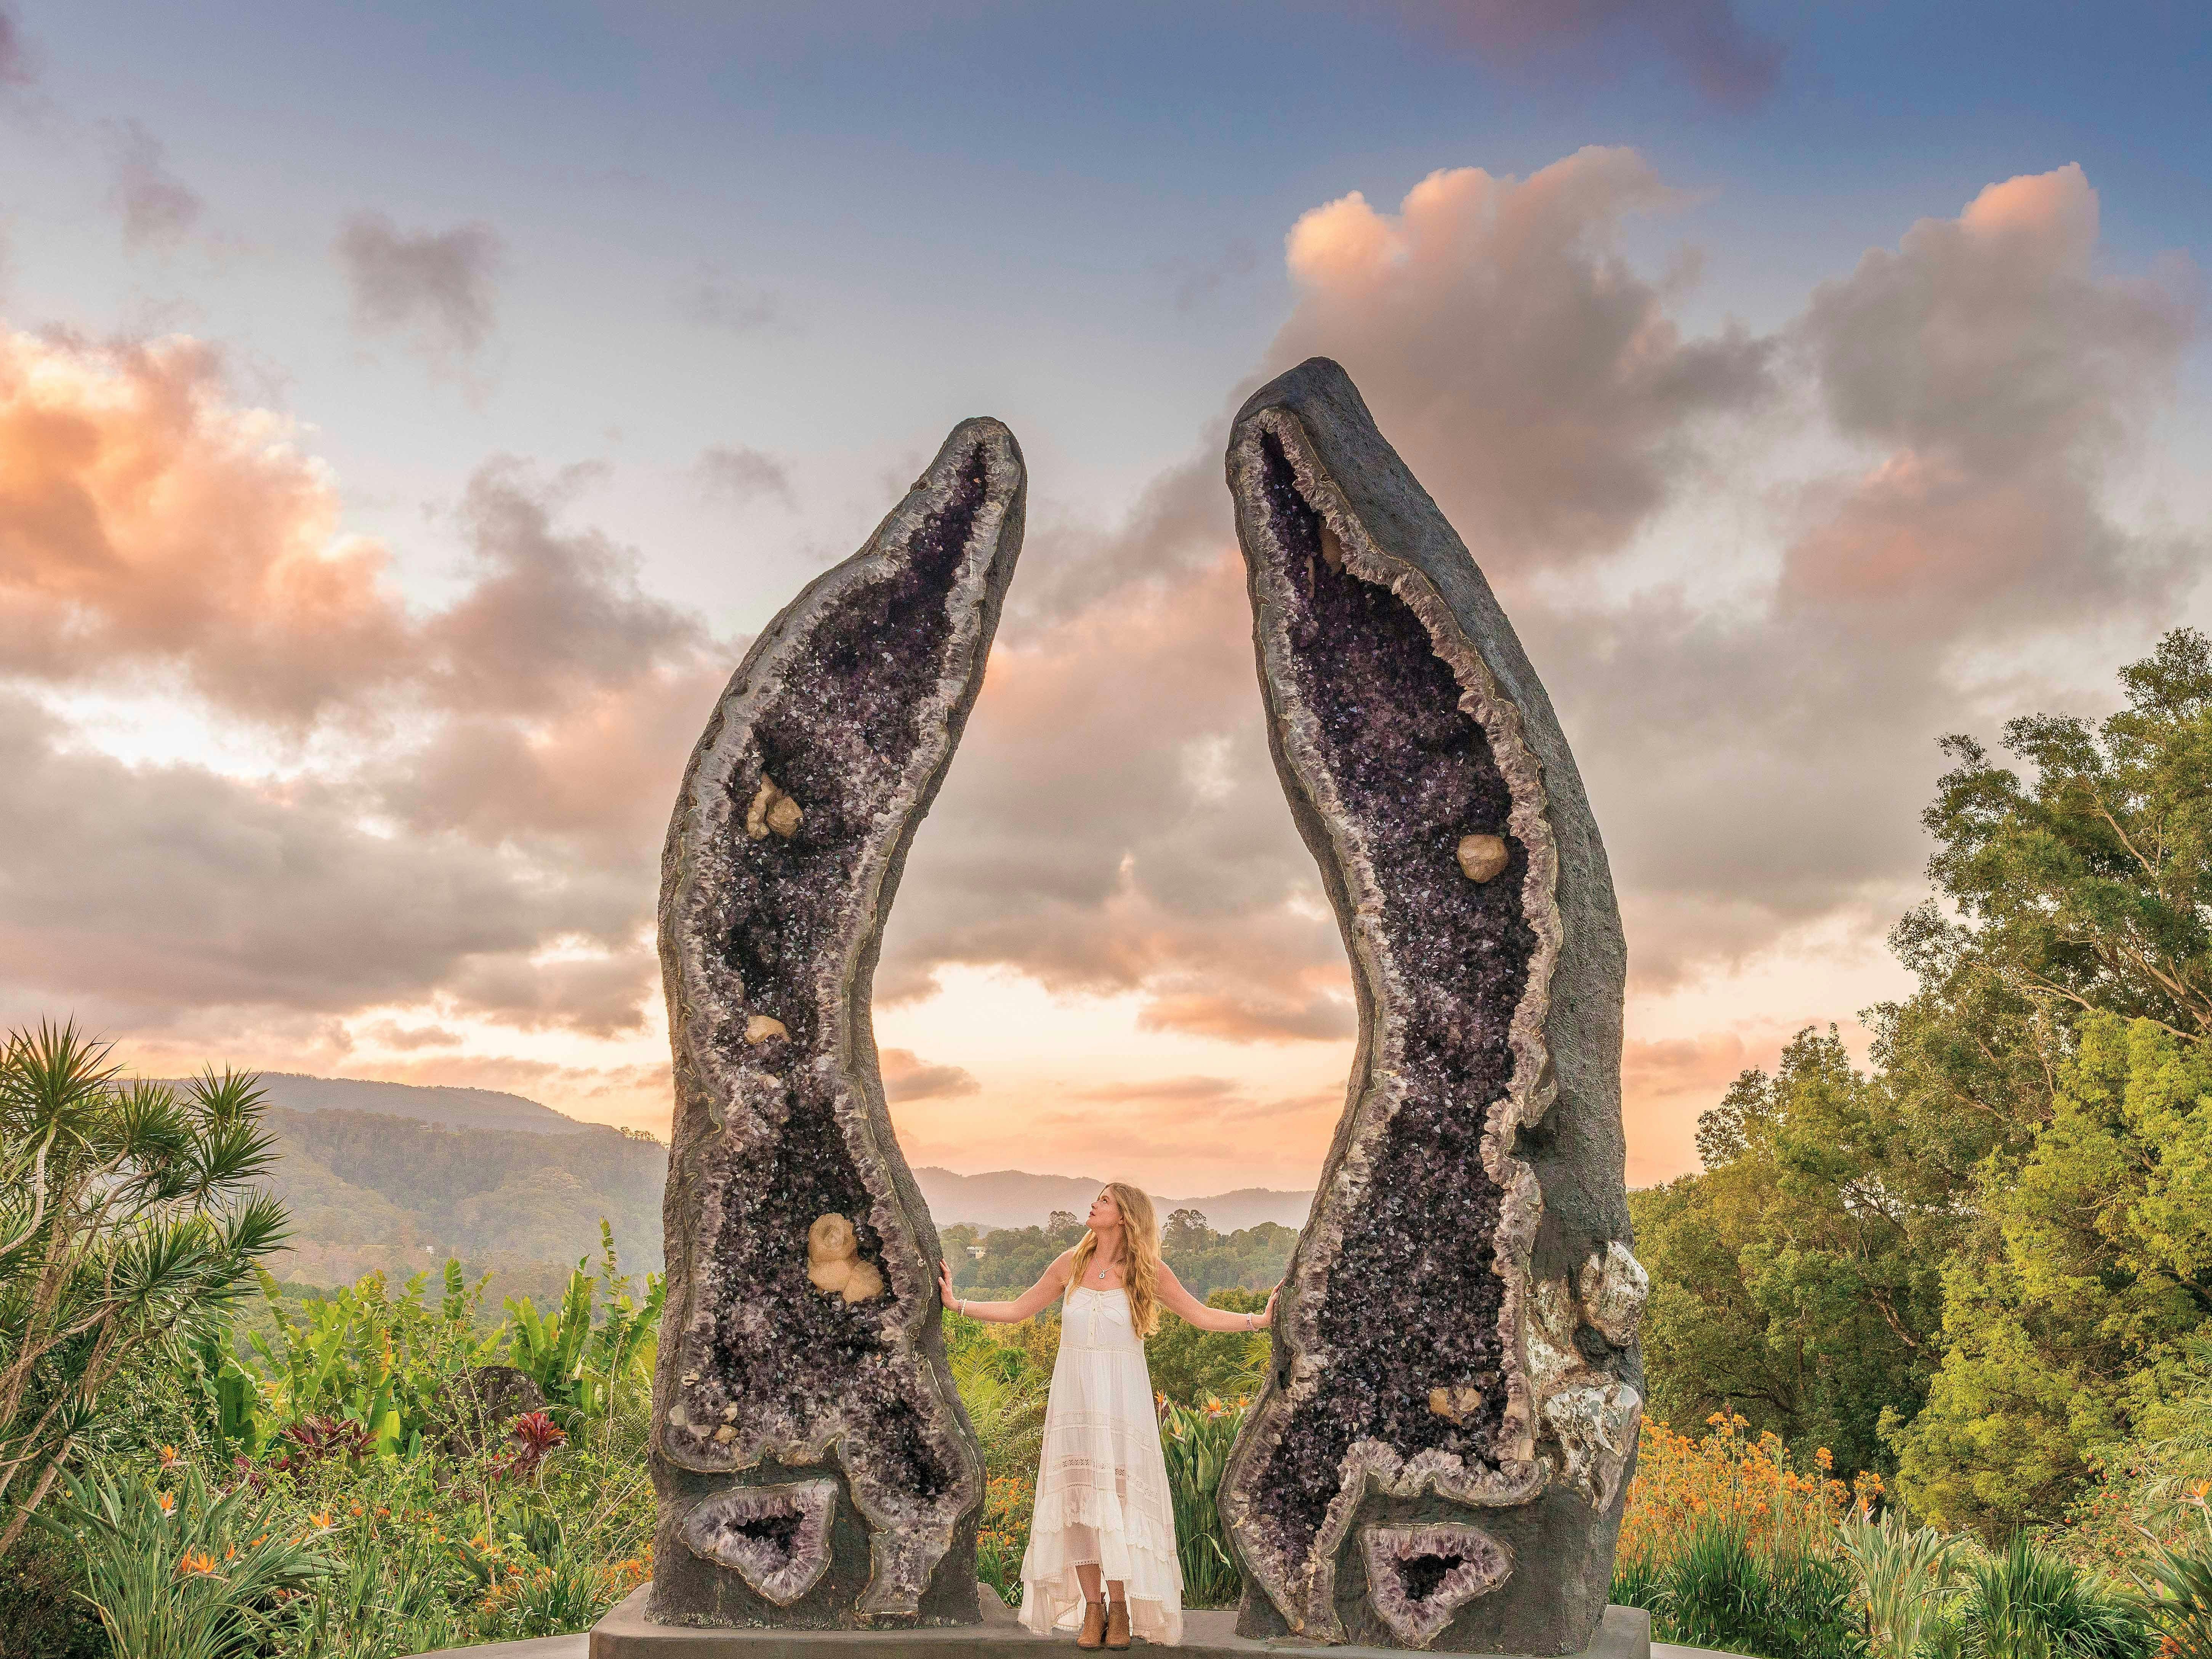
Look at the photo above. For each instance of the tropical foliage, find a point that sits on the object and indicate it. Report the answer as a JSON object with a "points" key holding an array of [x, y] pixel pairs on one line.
{"points": [[128, 1225]]}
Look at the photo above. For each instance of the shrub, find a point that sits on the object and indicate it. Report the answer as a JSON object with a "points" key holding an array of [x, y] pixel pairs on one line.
{"points": [[1196, 1445], [1004, 1534], [2177, 1591], [128, 1225], [179, 1571], [1729, 1546], [1189, 1365], [1680, 1481], [1906, 1576], [2027, 1603]]}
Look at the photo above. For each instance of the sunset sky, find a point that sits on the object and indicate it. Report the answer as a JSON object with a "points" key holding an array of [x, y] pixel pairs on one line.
{"points": [[408, 412]]}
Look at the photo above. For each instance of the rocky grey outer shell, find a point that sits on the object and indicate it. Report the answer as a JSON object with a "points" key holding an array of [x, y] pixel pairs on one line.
{"points": [[789, 839], [1455, 1339]]}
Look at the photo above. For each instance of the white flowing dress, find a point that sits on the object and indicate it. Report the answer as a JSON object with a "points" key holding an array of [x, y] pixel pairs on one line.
{"points": [[1101, 1491]]}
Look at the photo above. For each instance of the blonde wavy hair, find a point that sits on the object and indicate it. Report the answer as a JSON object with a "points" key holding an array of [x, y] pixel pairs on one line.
{"points": [[1140, 1255]]}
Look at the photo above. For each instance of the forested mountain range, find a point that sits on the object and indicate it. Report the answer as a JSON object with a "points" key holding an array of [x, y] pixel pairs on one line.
{"points": [[370, 1190], [455, 1107], [395, 1178], [1014, 1198]]}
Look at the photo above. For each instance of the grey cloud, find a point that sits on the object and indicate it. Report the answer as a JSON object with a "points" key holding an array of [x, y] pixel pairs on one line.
{"points": [[1730, 64], [709, 299], [436, 289], [597, 995], [514, 750], [158, 209], [1114, 825], [551, 616], [174, 886], [16, 69], [742, 474], [2001, 375], [908, 1079], [1759, 762], [1537, 382]]}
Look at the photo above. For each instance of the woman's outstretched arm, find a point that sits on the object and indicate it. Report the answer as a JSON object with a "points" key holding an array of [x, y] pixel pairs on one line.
{"points": [[1028, 1303], [1189, 1308]]}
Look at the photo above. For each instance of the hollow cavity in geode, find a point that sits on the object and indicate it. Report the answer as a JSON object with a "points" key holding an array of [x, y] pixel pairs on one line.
{"points": [[776, 1538], [790, 834], [1413, 1300], [1420, 1576]]}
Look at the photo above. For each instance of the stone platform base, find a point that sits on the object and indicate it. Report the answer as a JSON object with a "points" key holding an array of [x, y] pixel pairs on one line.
{"points": [[1624, 1633]]}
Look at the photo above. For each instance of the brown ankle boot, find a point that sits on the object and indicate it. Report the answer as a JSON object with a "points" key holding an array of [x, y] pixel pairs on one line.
{"points": [[1117, 1626], [1094, 1626]]}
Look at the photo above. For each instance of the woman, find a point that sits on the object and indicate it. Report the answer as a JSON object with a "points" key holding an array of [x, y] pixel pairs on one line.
{"points": [[1103, 1510]]}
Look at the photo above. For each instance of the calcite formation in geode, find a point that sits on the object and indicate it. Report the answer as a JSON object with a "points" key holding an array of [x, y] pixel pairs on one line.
{"points": [[814, 1465], [1456, 1341]]}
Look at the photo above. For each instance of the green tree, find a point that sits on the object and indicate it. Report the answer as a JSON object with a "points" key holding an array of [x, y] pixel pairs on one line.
{"points": [[2060, 1023], [1187, 1230], [1013, 1259], [2079, 1320], [2088, 891], [1189, 1365], [128, 1227], [1795, 1279]]}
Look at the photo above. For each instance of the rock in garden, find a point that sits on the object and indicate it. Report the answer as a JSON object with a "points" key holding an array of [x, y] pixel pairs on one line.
{"points": [[1456, 1341], [477, 1406], [814, 1465]]}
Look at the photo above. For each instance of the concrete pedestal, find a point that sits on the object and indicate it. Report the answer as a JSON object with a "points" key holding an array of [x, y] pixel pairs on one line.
{"points": [[624, 1633]]}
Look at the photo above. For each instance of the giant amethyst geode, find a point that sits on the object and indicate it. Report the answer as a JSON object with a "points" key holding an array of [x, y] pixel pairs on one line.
{"points": [[800, 1354], [1456, 1340]]}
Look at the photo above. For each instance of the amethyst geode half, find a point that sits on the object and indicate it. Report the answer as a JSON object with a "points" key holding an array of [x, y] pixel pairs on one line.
{"points": [[1456, 1331], [800, 1357]]}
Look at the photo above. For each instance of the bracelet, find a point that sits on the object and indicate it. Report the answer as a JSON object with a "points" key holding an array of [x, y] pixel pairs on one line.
{"points": [[963, 1305]]}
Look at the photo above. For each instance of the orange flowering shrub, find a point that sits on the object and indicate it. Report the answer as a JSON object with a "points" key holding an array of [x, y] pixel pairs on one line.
{"points": [[1002, 1535], [1682, 1481]]}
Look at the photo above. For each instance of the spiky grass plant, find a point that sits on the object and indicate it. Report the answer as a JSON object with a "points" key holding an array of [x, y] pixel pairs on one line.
{"points": [[1197, 1445], [1722, 1589], [2177, 1590], [1906, 1576], [182, 1570], [2027, 1603]]}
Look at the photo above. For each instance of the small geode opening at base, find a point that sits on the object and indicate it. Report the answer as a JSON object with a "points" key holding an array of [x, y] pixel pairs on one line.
{"points": [[1419, 1577], [777, 1538]]}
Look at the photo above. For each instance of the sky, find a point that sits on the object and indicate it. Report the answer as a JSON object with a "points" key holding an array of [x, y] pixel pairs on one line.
{"points": [[408, 414]]}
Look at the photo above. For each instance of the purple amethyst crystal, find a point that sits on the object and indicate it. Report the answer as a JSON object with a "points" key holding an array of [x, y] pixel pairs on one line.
{"points": [[1436, 1344], [800, 1345], [1418, 1577], [777, 1538]]}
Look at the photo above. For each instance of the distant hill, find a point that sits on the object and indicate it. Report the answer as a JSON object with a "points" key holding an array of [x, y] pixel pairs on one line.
{"points": [[369, 1190], [1014, 1198], [396, 1177], [456, 1109]]}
